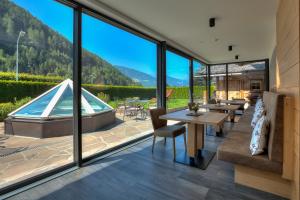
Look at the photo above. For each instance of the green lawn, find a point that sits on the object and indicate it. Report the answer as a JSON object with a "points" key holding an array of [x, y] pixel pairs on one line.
{"points": [[177, 103]]}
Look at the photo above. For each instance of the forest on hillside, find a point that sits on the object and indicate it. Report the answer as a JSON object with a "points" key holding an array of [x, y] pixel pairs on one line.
{"points": [[43, 51]]}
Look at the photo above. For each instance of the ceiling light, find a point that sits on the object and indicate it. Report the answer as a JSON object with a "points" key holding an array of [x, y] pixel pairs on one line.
{"points": [[212, 22]]}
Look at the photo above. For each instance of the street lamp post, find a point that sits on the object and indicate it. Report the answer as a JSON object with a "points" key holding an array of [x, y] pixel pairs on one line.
{"points": [[21, 33]]}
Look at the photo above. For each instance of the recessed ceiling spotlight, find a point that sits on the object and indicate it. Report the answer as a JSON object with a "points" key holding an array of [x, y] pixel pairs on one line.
{"points": [[236, 57], [230, 48], [212, 22]]}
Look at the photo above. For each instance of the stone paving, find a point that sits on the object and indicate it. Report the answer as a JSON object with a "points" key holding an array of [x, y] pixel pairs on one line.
{"points": [[24, 157]]}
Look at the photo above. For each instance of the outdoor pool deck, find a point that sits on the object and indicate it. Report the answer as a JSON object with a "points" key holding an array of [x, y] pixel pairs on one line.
{"points": [[24, 157]]}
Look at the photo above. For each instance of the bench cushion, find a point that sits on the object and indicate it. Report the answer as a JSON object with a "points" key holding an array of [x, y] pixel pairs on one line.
{"points": [[244, 123], [274, 112], [235, 149]]}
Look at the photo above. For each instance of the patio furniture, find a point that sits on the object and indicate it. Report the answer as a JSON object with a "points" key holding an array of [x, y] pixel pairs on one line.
{"points": [[196, 155], [266, 168], [161, 129], [132, 107]]}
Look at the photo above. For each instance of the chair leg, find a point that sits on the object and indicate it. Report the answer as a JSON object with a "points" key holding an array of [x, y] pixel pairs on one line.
{"points": [[174, 149], [165, 140], [184, 138], [153, 143]]}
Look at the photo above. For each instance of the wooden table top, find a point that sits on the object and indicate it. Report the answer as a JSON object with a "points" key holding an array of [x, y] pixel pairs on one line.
{"points": [[234, 102], [211, 118], [220, 107]]}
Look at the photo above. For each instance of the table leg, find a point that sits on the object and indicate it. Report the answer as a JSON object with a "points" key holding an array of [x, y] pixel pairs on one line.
{"points": [[196, 155], [195, 138]]}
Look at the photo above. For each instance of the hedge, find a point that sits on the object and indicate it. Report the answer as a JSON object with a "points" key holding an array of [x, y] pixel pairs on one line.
{"points": [[15, 90], [30, 77], [6, 108]]}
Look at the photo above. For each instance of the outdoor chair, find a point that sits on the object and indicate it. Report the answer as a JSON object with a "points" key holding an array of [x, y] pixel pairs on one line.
{"points": [[161, 129]]}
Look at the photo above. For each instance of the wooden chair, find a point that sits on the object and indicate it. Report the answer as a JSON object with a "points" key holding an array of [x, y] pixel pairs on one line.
{"points": [[161, 129]]}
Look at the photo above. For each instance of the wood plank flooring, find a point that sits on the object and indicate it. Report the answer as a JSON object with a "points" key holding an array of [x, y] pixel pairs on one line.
{"points": [[137, 174]]}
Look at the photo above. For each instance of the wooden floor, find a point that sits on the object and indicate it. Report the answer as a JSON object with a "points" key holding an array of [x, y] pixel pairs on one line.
{"points": [[137, 174]]}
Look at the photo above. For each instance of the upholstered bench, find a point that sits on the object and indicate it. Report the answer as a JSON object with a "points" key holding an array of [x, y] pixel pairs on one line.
{"points": [[235, 149]]}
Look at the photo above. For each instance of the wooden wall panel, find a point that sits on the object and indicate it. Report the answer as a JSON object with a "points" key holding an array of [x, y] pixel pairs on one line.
{"points": [[287, 58]]}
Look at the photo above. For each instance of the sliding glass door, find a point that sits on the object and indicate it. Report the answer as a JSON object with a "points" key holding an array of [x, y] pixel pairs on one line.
{"points": [[118, 86], [199, 82], [246, 81], [177, 81], [36, 101], [218, 87]]}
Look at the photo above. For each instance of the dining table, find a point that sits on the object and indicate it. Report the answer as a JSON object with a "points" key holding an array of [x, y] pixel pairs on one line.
{"points": [[230, 109], [196, 155]]}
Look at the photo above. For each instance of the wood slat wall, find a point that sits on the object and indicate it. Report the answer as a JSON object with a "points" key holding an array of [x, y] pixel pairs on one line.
{"points": [[287, 71]]}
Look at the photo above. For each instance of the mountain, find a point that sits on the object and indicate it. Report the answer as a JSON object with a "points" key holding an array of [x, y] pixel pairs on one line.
{"points": [[43, 51], [139, 77], [176, 82], [146, 79]]}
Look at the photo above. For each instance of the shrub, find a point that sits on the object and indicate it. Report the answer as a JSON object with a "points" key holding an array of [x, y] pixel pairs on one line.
{"points": [[6, 108], [14, 90], [30, 77], [104, 97]]}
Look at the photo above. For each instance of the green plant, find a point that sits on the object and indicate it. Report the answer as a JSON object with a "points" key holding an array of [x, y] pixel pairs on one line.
{"points": [[30, 77], [104, 97], [6, 108]]}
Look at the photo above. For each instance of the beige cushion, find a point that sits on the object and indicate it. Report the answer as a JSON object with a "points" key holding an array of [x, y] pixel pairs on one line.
{"points": [[235, 149], [170, 131], [274, 112], [258, 142]]}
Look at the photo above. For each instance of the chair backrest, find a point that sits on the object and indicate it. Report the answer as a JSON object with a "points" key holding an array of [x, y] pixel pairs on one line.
{"points": [[156, 122], [169, 92], [274, 104]]}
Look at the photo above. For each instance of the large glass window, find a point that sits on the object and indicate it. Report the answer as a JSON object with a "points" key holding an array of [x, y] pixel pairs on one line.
{"points": [[119, 73], [36, 116], [218, 86], [199, 81], [177, 81], [246, 81]]}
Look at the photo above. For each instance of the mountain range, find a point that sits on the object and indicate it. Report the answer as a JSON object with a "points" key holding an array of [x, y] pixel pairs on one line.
{"points": [[147, 80], [44, 51]]}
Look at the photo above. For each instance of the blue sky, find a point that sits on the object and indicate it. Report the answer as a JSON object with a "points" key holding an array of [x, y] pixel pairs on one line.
{"points": [[116, 46]]}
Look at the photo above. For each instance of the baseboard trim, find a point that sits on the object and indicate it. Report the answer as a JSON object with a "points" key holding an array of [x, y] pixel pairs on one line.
{"points": [[262, 180]]}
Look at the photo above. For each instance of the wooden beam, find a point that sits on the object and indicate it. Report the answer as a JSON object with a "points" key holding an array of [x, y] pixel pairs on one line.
{"points": [[288, 139]]}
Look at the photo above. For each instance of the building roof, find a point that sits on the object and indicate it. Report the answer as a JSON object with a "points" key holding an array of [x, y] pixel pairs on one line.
{"points": [[234, 68]]}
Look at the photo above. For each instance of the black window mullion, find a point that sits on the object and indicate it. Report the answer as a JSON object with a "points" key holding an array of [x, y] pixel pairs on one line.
{"points": [[226, 85], [77, 53], [191, 80], [161, 75]]}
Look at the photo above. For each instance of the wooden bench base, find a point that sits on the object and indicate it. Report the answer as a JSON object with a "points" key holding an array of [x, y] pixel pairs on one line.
{"points": [[262, 180]]}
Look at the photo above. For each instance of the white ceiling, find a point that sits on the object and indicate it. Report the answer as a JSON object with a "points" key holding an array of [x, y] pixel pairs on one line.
{"points": [[248, 25]]}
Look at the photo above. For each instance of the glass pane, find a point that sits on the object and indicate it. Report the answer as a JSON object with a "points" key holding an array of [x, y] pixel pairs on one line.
{"points": [[177, 92], [199, 80], [119, 69], [95, 103], [64, 106], [37, 107], [218, 82], [35, 56], [246, 81]]}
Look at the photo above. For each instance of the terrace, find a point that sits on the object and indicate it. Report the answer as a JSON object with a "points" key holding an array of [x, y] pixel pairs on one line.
{"points": [[138, 99]]}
